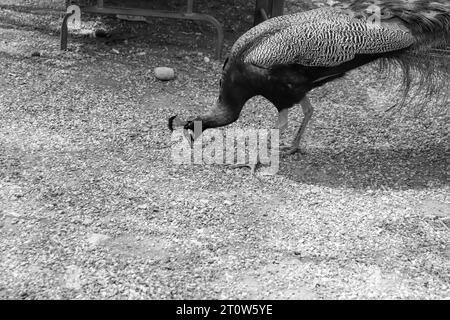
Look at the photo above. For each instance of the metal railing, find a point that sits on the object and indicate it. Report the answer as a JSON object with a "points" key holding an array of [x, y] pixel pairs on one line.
{"points": [[264, 9], [189, 14]]}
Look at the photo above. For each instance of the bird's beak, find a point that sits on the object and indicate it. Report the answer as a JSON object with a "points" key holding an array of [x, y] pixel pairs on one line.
{"points": [[176, 123]]}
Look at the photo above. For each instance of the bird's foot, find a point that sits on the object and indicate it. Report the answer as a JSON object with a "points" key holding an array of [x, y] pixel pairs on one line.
{"points": [[290, 150], [251, 166]]}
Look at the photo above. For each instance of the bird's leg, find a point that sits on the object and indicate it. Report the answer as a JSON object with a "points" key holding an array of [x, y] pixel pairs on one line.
{"points": [[307, 112], [282, 122]]}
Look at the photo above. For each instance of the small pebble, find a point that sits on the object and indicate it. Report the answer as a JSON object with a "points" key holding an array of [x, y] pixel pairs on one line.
{"points": [[164, 73]]}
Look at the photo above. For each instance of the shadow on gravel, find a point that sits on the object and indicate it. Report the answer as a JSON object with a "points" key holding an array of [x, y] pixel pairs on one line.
{"points": [[371, 168]]}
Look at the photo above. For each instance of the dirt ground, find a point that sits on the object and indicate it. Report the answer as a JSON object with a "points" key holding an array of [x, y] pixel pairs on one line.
{"points": [[92, 207]]}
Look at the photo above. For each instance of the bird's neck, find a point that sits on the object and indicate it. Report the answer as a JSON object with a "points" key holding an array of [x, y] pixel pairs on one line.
{"points": [[235, 91], [225, 111]]}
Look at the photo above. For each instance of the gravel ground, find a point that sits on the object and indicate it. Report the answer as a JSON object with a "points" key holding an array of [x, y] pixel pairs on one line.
{"points": [[91, 206]]}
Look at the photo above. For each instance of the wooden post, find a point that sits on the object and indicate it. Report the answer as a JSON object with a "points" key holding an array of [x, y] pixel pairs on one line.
{"points": [[277, 8], [262, 6], [267, 9], [64, 30], [190, 6]]}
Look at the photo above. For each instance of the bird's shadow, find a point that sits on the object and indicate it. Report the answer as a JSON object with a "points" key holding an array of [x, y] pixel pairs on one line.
{"points": [[370, 168]]}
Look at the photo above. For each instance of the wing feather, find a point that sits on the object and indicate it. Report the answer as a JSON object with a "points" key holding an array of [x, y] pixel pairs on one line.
{"points": [[323, 37]]}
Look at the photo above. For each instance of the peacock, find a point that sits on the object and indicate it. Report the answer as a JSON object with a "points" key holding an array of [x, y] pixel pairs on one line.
{"points": [[284, 58]]}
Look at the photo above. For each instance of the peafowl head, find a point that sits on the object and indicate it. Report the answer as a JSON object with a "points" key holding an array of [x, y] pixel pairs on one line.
{"points": [[191, 131], [235, 90]]}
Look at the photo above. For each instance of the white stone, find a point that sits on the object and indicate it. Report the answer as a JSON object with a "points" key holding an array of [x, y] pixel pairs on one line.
{"points": [[164, 73]]}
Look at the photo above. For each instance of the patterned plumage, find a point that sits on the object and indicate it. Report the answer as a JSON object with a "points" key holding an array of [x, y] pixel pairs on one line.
{"points": [[323, 37], [285, 57]]}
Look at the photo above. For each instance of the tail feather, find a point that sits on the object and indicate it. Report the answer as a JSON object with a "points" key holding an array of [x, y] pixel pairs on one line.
{"points": [[425, 78], [426, 64]]}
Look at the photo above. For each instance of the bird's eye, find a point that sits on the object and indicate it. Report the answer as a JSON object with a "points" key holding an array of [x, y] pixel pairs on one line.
{"points": [[220, 83]]}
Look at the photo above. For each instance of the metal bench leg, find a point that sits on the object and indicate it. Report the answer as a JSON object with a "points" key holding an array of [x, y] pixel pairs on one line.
{"points": [[220, 33], [205, 17]]}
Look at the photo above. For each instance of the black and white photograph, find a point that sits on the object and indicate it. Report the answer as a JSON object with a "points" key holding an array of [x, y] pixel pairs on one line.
{"points": [[237, 151]]}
